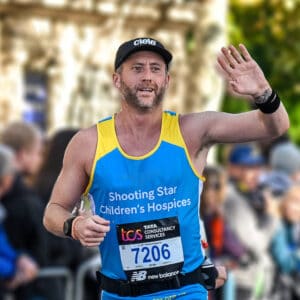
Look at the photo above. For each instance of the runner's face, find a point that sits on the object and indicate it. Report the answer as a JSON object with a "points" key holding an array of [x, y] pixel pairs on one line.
{"points": [[143, 80]]}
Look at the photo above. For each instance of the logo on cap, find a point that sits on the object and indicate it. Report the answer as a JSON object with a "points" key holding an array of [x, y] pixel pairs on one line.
{"points": [[144, 42]]}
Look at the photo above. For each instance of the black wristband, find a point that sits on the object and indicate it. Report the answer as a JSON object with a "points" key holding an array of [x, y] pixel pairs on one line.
{"points": [[271, 105], [209, 273]]}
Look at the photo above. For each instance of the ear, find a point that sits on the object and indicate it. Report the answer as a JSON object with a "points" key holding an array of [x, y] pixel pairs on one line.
{"points": [[116, 80], [167, 80]]}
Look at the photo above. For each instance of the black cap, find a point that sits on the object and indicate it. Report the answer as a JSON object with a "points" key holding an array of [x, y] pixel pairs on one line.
{"points": [[140, 44]]}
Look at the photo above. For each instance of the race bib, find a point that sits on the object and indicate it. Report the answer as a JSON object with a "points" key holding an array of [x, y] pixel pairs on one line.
{"points": [[151, 250]]}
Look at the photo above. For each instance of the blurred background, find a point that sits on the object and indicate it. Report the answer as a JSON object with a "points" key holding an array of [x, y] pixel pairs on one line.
{"points": [[57, 55], [56, 65]]}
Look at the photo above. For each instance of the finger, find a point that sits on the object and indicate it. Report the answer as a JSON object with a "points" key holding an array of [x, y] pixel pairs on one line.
{"points": [[101, 228], [91, 243], [96, 234], [222, 272], [229, 57], [219, 283], [100, 220], [220, 71], [94, 240], [224, 65], [236, 55], [245, 53]]}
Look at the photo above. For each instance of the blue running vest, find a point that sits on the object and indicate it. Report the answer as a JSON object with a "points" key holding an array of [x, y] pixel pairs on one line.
{"points": [[160, 184]]}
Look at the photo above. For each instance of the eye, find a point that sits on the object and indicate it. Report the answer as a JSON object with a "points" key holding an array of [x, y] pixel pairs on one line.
{"points": [[156, 68], [137, 68]]}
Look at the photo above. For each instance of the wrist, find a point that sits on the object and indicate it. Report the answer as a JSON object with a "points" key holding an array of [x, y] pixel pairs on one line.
{"points": [[262, 96], [268, 103], [74, 229], [261, 91], [67, 226]]}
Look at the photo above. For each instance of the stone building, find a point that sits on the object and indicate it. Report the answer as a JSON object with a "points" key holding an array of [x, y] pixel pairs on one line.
{"points": [[57, 55]]}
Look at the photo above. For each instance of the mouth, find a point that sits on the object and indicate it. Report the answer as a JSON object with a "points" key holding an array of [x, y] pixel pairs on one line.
{"points": [[146, 90]]}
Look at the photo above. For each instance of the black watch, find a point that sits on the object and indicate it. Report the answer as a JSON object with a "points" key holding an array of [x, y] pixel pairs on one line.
{"points": [[68, 227]]}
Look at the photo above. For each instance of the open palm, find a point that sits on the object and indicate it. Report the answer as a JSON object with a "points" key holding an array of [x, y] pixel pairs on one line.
{"points": [[243, 74]]}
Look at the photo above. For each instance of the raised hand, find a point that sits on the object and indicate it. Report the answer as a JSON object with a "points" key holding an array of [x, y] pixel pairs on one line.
{"points": [[243, 74]]}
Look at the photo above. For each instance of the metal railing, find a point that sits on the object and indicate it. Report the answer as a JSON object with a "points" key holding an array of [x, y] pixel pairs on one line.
{"points": [[74, 287], [56, 272], [51, 272], [92, 264]]}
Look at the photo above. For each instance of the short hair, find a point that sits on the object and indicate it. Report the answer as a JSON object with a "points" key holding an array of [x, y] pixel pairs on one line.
{"points": [[20, 135], [6, 160]]}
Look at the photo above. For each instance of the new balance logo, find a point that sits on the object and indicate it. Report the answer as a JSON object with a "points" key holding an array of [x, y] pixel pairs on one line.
{"points": [[138, 276]]}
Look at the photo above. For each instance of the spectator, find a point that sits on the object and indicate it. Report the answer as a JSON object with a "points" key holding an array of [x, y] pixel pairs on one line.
{"points": [[285, 248], [52, 163], [224, 247], [239, 156], [15, 268], [223, 244], [23, 207], [266, 145], [272, 186], [248, 216], [285, 157]]}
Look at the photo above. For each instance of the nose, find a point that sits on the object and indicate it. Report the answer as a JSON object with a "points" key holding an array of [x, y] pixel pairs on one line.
{"points": [[147, 74]]}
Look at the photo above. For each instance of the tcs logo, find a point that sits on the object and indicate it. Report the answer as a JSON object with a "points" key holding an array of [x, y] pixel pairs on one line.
{"points": [[131, 235]]}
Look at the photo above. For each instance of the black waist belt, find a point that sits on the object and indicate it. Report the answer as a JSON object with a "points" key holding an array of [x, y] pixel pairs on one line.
{"points": [[126, 288]]}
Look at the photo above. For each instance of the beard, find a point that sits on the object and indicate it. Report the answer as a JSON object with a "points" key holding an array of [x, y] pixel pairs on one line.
{"points": [[131, 98]]}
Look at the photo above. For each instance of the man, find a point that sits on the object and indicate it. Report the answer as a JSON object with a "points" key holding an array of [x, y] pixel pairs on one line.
{"points": [[142, 170]]}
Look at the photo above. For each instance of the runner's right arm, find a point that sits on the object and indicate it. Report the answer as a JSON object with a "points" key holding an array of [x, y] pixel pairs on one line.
{"points": [[70, 184]]}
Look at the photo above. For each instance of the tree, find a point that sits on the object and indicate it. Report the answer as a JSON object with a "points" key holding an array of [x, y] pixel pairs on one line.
{"points": [[271, 31]]}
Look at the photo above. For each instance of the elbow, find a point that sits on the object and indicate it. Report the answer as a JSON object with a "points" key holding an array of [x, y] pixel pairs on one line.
{"points": [[285, 123], [47, 221], [288, 124], [285, 126], [282, 129], [282, 126]]}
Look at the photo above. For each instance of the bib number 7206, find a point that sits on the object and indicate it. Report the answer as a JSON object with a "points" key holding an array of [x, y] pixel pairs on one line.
{"points": [[148, 254]]}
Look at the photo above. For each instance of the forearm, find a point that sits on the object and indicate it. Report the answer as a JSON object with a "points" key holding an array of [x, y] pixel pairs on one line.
{"points": [[272, 109], [54, 218], [276, 123]]}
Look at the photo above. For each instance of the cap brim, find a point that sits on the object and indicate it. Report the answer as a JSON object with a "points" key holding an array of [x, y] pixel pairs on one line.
{"points": [[165, 54], [252, 162]]}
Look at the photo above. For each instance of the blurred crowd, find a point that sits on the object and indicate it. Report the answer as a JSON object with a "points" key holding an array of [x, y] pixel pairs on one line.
{"points": [[29, 166], [251, 210], [250, 207]]}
